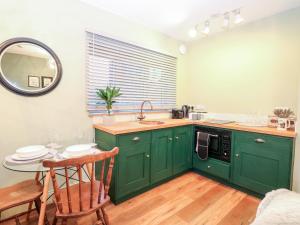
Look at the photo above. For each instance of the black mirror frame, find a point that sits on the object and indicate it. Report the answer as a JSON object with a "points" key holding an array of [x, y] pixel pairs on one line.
{"points": [[12, 88]]}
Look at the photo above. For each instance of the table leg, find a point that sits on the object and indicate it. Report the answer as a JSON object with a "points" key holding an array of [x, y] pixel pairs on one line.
{"points": [[37, 175], [44, 199]]}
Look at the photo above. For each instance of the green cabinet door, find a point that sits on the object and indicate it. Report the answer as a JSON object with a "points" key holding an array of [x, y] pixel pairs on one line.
{"points": [[161, 155], [133, 163], [262, 162], [182, 150]]}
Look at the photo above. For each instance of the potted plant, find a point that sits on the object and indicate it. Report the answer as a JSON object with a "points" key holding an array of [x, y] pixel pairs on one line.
{"points": [[108, 95]]}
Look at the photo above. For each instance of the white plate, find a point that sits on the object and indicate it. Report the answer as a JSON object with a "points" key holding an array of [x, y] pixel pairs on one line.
{"points": [[50, 155], [78, 148], [30, 151], [67, 155], [22, 158]]}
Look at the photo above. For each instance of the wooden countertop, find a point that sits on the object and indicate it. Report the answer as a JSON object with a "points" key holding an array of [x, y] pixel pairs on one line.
{"points": [[134, 126]]}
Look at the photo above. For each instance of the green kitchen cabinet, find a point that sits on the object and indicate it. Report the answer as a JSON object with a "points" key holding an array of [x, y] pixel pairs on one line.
{"points": [[134, 163], [212, 167], [182, 149], [146, 158], [161, 154], [262, 163], [259, 162]]}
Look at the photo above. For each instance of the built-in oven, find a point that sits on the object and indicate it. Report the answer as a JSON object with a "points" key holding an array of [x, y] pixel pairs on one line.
{"points": [[219, 142]]}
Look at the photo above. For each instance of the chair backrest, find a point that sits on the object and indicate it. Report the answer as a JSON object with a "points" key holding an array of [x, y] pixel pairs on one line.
{"points": [[105, 175]]}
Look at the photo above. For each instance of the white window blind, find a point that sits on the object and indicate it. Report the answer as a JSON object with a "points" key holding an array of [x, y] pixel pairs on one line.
{"points": [[140, 73]]}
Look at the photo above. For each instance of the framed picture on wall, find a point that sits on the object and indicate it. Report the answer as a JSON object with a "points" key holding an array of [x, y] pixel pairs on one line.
{"points": [[33, 81], [46, 81]]}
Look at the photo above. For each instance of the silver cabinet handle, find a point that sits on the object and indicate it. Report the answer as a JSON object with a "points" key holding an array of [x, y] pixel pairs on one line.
{"points": [[237, 155], [170, 139], [208, 167], [177, 137], [148, 156], [259, 140], [136, 139]]}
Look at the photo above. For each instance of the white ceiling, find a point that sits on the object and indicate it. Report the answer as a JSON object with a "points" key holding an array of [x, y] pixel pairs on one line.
{"points": [[176, 17]]}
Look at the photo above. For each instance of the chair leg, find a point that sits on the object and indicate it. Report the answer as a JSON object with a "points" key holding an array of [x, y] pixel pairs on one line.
{"points": [[17, 221], [38, 204], [64, 222], [100, 217], [54, 221], [29, 211], [105, 217]]}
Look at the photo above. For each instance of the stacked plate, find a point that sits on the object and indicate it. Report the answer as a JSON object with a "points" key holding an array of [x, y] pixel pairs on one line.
{"points": [[30, 152], [78, 150]]}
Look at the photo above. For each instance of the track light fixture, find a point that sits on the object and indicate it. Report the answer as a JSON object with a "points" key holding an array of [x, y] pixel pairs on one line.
{"points": [[226, 21], [193, 32], [206, 29], [238, 18], [229, 18]]}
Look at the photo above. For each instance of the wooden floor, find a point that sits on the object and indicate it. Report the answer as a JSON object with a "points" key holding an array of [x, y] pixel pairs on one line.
{"points": [[188, 199]]}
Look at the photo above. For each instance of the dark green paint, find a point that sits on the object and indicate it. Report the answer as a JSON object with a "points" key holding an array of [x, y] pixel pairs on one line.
{"points": [[262, 167], [182, 149], [134, 167], [259, 167], [161, 154], [213, 167]]}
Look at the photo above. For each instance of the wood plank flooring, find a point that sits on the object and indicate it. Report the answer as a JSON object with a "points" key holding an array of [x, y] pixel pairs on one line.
{"points": [[188, 199]]}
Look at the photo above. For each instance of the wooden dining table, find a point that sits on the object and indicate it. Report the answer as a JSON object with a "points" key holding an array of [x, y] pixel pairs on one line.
{"points": [[42, 175]]}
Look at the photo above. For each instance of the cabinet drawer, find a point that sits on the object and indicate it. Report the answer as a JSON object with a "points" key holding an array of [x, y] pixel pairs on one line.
{"points": [[262, 142], [213, 167], [135, 139]]}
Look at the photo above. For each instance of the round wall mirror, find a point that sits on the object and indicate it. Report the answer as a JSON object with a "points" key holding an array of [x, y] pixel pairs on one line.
{"points": [[28, 67]]}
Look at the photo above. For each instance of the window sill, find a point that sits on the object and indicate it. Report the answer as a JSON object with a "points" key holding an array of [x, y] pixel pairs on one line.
{"points": [[128, 113]]}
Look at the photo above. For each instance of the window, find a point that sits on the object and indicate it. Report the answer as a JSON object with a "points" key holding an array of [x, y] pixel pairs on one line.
{"points": [[140, 73]]}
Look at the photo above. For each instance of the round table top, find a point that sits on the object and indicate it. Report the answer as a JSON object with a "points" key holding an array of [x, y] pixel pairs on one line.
{"points": [[32, 167]]}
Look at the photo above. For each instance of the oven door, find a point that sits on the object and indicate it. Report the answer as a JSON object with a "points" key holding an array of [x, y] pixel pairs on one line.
{"points": [[214, 150]]}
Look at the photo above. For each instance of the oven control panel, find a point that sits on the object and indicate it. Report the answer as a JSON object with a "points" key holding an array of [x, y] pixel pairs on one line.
{"points": [[226, 146]]}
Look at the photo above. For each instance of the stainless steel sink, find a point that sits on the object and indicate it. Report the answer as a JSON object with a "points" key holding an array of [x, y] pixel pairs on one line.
{"points": [[151, 122]]}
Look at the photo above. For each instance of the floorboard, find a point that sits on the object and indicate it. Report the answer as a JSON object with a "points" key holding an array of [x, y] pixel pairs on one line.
{"points": [[188, 199]]}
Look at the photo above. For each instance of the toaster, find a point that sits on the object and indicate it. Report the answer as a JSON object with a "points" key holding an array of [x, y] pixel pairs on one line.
{"points": [[177, 114]]}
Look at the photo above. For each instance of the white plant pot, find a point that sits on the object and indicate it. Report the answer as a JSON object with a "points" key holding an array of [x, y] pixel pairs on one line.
{"points": [[108, 120]]}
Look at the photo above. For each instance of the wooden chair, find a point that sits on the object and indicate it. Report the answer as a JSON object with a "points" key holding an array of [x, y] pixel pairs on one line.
{"points": [[83, 198], [19, 194]]}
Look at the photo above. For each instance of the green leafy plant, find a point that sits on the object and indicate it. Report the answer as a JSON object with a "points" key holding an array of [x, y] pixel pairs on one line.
{"points": [[108, 95]]}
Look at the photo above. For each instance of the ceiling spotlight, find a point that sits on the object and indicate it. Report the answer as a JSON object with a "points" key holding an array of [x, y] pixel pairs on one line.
{"points": [[206, 29], [238, 18], [226, 20], [182, 49], [193, 32]]}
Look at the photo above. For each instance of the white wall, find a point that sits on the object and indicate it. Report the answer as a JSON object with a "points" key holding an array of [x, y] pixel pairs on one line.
{"points": [[62, 113], [248, 69], [296, 175]]}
